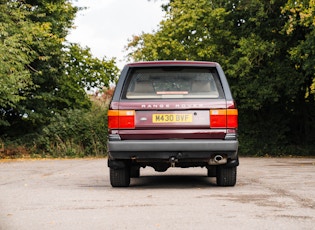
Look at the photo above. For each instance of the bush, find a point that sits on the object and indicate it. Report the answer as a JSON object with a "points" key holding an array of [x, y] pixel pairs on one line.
{"points": [[75, 133]]}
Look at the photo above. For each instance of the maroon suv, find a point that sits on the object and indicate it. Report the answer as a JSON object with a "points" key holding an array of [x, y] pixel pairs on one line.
{"points": [[172, 114]]}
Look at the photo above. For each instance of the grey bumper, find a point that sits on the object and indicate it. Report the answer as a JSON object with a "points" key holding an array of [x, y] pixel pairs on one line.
{"points": [[173, 145]]}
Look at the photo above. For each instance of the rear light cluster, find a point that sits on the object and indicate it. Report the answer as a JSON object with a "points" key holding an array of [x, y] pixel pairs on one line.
{"points": [[121, 119], [224, 118]]}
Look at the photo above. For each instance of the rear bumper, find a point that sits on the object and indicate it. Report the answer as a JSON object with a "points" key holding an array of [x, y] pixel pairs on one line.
{"points": [[163, 149]]}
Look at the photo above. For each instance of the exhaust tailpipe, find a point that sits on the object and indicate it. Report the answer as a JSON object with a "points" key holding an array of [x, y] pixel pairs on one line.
{"points": [[217, 160]]}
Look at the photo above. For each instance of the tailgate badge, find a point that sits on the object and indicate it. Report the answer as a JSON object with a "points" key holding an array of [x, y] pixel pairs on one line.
{"points": [[143, 119]]}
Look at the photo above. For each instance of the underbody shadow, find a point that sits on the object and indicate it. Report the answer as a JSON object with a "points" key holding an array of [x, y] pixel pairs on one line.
{"points": [[171, 181]]}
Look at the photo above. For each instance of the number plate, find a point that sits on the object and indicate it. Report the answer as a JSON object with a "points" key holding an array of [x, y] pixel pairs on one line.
{"points": [[166, 118]]}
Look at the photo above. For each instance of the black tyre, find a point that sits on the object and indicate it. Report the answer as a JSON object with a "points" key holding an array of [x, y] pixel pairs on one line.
{"points": [[226, 176], [119, 177]]}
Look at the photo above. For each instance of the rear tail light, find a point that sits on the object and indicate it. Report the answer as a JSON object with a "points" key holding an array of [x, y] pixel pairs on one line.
{"points": [[121, 119], [224, 118], [232, 118]]}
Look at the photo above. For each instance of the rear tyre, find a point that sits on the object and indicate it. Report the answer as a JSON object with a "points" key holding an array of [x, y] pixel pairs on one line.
{"points": [[226, 176], [119, 177]]}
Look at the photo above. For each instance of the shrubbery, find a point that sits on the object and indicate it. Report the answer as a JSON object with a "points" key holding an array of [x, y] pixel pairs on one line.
{"points": [[77, 133], [74, 133]]}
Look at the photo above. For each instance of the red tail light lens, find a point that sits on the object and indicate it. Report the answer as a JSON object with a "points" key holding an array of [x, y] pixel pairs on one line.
{"points": [[224, 118], [218, 118], [121, 119], [232, 118]]}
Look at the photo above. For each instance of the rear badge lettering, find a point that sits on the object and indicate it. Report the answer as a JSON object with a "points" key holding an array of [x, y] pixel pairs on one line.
{"points": [[155, 106], [177, 106]]}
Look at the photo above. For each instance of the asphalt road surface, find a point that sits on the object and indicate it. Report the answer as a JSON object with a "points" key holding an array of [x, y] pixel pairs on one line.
{"points": [[271, 193]]}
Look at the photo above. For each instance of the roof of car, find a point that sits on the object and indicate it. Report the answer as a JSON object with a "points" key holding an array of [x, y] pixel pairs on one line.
{"points": [[172, 63]]}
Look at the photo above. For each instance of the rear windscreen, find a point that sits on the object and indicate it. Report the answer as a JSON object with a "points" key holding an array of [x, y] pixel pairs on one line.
{"points": [[173, 83]]}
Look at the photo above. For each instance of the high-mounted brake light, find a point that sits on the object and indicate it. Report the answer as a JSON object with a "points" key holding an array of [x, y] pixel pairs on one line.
{"points": [[121, 119], [224, 118]]}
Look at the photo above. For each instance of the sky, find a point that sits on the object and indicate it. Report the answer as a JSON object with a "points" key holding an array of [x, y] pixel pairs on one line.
{"points": [[106, 25]]}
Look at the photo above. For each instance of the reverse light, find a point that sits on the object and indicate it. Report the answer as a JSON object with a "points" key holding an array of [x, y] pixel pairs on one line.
{"points": [[121, 119], [224, 118]]}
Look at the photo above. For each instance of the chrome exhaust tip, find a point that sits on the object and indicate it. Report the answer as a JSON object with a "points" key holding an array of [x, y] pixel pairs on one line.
{"points": [[217, 160]]}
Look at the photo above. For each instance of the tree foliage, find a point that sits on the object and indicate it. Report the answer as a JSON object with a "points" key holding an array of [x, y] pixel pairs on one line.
{"points": [[267, 50], [41, 74], [17, 36]]}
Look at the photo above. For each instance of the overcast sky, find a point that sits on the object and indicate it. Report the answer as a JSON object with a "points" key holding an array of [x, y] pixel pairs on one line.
{"points": [[106, 25]]}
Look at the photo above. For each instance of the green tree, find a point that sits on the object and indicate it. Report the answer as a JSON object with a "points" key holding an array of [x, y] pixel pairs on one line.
{"points": [[49, 67], [41, 74], [17, 36], [87, 71], [300, 29], [267, 51], [186, 33]]}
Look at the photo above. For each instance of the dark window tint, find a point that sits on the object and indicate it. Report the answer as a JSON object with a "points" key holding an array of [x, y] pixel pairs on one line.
{"points": [[173, 83]]}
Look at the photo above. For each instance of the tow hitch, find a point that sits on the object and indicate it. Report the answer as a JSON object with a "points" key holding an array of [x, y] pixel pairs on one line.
{"points": [[173, 161]]}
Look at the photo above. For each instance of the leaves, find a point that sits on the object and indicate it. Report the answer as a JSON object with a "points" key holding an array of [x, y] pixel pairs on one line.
{"points": [[15, 53], [40, 73], [87, 71], [75, 133], [185, 34]]}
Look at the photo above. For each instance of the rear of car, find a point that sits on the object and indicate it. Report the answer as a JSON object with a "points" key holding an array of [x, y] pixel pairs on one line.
{"points": [[172, 114]]}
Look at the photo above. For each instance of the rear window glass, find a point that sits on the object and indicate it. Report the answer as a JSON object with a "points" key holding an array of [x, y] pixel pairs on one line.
{"points": [[173, 83]]}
